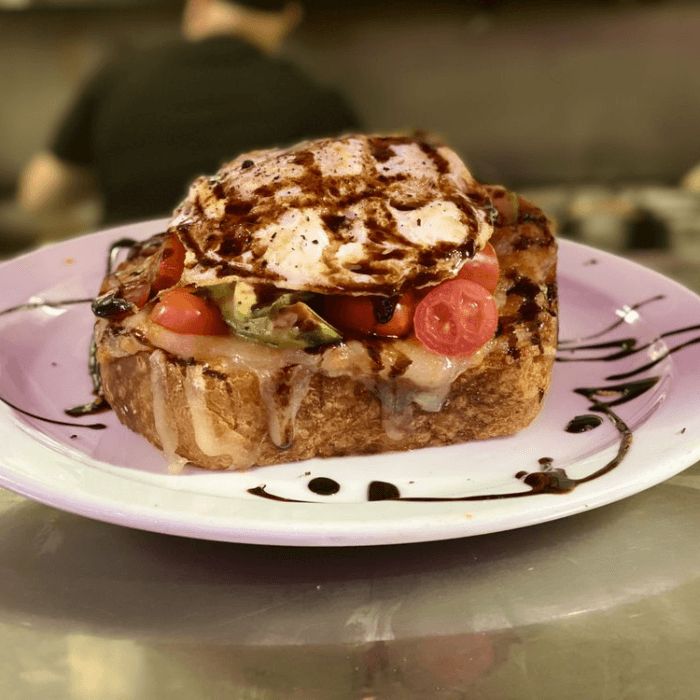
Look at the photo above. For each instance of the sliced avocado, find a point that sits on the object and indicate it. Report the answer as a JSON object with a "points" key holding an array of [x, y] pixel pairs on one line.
{"points": [[222, 294], [243, 300], [287, 322]]}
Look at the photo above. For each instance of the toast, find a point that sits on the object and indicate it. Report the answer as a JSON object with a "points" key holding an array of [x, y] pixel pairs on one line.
{"points": [[226, 403]]}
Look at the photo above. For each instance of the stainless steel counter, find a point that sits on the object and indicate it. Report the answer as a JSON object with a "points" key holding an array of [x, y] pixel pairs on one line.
{"points": [[605, 604]]}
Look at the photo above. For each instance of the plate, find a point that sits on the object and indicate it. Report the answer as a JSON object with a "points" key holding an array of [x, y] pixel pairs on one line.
{"points": [[625, 376]]}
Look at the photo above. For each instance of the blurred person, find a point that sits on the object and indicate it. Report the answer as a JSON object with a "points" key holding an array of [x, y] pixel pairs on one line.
{"points": [[148, 123]]}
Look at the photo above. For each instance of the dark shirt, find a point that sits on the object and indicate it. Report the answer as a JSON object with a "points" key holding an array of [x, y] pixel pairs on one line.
{"points": [[148, 124]]}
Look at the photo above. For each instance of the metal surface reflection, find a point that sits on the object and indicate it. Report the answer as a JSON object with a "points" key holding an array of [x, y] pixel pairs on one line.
{"points": [[63, 572]]}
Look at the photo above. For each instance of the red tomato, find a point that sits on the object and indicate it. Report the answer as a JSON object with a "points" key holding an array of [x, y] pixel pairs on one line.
{"points": [[401, 322], [482, 269], [183, 312], [349, 313], [172, 263], [456, 318], [137, 293], [364, 314]]}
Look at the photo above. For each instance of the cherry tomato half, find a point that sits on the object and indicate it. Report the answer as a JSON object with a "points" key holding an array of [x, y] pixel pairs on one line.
{"points": [[183, 312], [171, 264], [482, 268], [456, 318], [364, 314], [136, 293]]}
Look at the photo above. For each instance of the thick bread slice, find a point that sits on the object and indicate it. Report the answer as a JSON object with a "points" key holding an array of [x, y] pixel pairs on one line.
{"points": [[219, 420]]}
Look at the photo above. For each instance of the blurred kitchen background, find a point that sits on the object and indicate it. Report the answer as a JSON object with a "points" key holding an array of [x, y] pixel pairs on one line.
{"points": [[592, 109]]}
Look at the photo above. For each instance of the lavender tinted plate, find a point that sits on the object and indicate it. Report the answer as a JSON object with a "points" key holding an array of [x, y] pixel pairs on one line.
{"points": [[629, 352]]}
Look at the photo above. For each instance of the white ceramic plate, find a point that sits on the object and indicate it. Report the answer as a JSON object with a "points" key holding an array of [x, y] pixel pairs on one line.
{"points": [[116, 476]]}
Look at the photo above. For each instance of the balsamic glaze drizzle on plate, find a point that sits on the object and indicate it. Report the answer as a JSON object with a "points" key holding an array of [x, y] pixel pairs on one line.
{"points": [[625, 347], [87, 409], [115, 249], [44, 304], [98, 405], [91, 426], [623, 314], [582, 424], [324, 486]]}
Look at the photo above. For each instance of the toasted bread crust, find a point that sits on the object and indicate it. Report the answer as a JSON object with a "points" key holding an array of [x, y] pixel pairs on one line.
{"points": [[340, 415]]}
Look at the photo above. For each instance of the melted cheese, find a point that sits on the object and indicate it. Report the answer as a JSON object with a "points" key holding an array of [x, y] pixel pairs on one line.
{"points": [[165, 427], [213, 442]]}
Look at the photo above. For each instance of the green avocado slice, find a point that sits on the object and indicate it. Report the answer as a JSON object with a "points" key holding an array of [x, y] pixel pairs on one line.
{"points": [[286, 322]]}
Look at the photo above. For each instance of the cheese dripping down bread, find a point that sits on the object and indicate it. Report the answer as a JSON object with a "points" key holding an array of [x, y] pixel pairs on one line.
{"points": [[282, 253]]}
